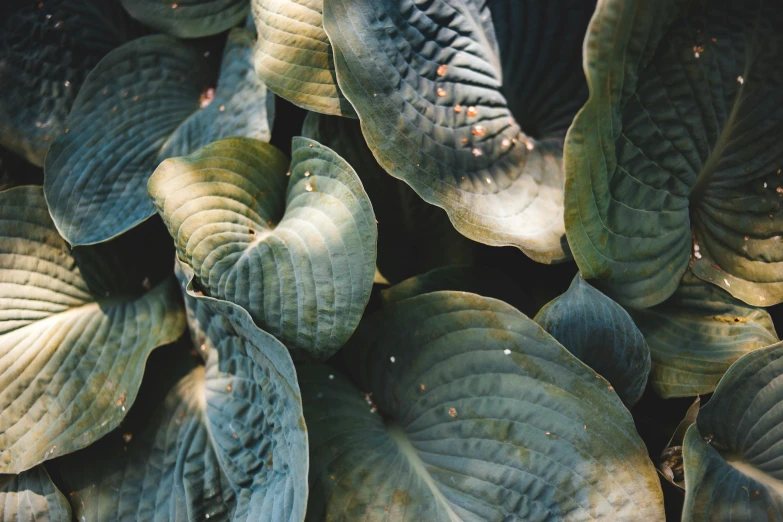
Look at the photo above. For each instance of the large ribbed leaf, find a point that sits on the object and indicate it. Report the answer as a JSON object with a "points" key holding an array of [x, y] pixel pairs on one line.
{"points": [[145, 101], [696, 334], [47, 48], [32, 497], [413, 236], [227, 443], [733, 452], [465, 409], [427, 81], [71, 361], [188, 18], [293, 56], [297, 252], [602, 335], [677, 156]]}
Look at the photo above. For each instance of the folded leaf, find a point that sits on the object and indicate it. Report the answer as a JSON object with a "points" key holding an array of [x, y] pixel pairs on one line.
{"points": [[733, 451], [71, 362], [465, 409], [227, 443], [188, 18], [298, 253], [145, 101], [602, 335], [697, 334], [31, 496], [427, 81], [676, 158]]}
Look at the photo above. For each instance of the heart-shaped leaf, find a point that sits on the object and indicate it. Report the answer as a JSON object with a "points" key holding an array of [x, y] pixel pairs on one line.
{"points": [[696, 334], [733, 451], [465, 409], [188, 18], [71, 361], [602, 335], [293, 56], [31, 496], [227, 443], [297, 252], [677, 156], [427, 81], [46, 51], [145, 101]]}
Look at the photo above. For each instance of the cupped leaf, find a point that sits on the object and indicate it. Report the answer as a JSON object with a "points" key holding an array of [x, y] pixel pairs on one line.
{"points": [[297, 252], [227, 443], [31, 496], [413, 236], [145, 101], [188, 18], [602, 335], [696, 334], [71, 361], [293, 56], [426, 80], [677, 156], [46, 51], [465, 409], [733, 451]]}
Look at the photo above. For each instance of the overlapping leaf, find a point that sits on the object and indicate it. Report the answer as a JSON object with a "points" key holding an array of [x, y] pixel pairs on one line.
{"points": [[188, 18], [293, 56], [32, 497], [602, 335], [464, 409], [297, 252], [46, 51], [71, 360], [145, 101], [733, 451], [227, 443], [427, 81], [696, 334], [677, 156]]}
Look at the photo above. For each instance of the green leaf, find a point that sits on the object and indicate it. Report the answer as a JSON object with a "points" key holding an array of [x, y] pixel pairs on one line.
{"points": [[697, 334], [676, 157], [602, 335], [188, 18], [46, 51], [143, 103], [71, 361], [293, 56], [465, 409], [427, 83], [297, 252], [732, 452], [32, 497], [227, 443], [413, 236]]}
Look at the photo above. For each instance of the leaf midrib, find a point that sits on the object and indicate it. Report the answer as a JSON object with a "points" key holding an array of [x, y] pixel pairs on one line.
{"points": [[739, 463]]}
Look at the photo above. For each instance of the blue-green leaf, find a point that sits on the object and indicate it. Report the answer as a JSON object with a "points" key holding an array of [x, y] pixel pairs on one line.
{"points": [[188, 18], [32, 497]]}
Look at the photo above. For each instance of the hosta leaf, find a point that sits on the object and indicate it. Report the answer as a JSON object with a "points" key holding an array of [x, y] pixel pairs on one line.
{"points": [[293, 56], [426, 80], [297, 252], [470, 411], [188, 18], [227, 443], [71, 361], [47, 48], [142, 103], [733, 451], [676, 157], [32, 497], [413, 236], [602, 335], [697, 334]]}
